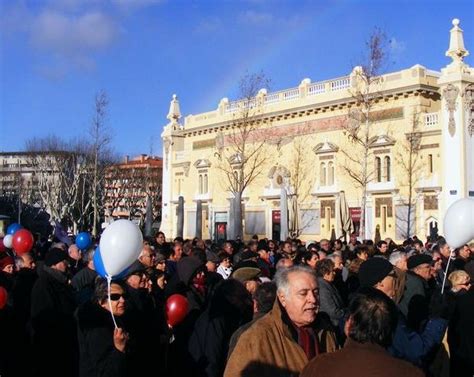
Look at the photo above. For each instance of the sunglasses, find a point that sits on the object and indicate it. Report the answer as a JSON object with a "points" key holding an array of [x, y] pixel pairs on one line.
{"points": [[117, 296]]}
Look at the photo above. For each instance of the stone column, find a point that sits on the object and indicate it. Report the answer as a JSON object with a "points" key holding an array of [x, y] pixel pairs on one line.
{"points": [[283, 214], [457, 147], [180, 217], [199, 219]]}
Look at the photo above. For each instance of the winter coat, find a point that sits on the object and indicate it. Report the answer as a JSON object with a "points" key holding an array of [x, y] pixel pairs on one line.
{"points": [[417, 347], [330, 302], [98, 356], [461, 336], [209, 342], [269, 348], [83, 283], [356, 359], [415, 301], [54, 329]]}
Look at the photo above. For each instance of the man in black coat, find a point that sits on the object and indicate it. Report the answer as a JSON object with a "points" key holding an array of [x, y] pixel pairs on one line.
{"points": [[52, 318]]}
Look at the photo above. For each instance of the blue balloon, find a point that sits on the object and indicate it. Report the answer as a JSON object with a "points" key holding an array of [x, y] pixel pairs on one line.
{"points": [[100, 269], [13, 228], [83, 240]]}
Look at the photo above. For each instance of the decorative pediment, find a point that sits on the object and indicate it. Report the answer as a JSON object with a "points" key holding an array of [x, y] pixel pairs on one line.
{"points": [[278, 170], [325, 147], [381, 141], [202, 163], [235, 159]]}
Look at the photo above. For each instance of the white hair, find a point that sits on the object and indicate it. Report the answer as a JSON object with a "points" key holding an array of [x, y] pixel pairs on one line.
{"points": [[396, 257], [282, 280]]}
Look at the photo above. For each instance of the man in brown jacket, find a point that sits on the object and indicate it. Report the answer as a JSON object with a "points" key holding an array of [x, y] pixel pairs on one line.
{"points": [[283, 341], [372, 320]]}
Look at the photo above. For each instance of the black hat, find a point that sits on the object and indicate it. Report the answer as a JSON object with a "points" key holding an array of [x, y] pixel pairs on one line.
{"points": [[247, 255], [373, 271], [54, 256], [416, 260], [136, 268]]}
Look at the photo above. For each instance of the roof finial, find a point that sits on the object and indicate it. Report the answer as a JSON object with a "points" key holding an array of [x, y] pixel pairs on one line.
{"points": [[174, 113], [456, 51]]}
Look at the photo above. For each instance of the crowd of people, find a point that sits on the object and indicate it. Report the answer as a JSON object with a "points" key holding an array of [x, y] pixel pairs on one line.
{"points": [[256, 308]]}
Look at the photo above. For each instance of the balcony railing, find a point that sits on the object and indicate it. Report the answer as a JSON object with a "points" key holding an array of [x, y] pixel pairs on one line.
{"points": [[431, 119]]}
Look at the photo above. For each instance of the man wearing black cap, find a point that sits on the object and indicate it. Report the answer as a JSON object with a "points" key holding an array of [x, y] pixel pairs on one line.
{"points": [[52, 318], [408, 344], [414, 303]]}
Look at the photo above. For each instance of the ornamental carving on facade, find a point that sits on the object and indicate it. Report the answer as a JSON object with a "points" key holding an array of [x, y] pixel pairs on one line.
{"points": [[450, 93], [186, 166], [469, 103]]}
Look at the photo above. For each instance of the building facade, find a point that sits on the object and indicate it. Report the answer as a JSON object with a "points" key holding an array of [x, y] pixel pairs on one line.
{"points": [[128, 187], [300, 148]]}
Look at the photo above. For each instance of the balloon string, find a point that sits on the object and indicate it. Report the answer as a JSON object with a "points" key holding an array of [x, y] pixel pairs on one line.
{"points": [[109, 281], [446, 272]]}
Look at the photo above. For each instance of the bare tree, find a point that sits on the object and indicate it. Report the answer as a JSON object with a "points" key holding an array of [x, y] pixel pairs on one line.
{"points": [[100, 137], [365, 92], [301, 172], [60, 170], [408, 159], [242, 154]]}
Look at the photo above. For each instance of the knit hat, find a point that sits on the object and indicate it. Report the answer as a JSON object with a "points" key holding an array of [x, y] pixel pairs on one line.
{"points": [[416, 260], [373, 271], [5, 260], [54, 256]]}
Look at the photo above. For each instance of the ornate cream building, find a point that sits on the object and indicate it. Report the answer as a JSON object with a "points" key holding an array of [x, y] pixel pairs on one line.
{"points": [[419, 140]]}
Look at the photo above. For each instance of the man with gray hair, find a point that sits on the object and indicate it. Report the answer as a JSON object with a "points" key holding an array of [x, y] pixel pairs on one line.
{"points": [[84, 281], [283, 341]]}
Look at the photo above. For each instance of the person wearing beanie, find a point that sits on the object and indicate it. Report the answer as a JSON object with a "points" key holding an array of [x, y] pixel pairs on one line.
{"points": [[414, 303], [7, 264], [52, 318], [408, 344]]}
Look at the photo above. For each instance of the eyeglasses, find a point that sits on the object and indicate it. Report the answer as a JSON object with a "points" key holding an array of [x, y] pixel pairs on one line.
{"points": [[117, 296]]}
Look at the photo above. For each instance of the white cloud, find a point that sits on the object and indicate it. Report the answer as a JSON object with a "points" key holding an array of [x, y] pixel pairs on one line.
{"points": [[256, 18], [208, 25], [396, 47], [64, 34]]}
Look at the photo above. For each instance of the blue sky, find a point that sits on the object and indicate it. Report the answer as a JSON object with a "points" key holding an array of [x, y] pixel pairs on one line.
{"points": [[56, 54]]}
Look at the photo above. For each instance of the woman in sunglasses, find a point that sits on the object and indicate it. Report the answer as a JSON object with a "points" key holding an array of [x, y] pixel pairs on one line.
{"points": [[102, 346]]}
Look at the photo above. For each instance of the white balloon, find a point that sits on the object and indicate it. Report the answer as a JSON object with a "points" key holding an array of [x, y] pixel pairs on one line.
{"points": [[120, 245], [459, 223], [7, 241]]}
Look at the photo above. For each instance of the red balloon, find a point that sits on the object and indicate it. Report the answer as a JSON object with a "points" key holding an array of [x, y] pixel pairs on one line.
{"points": [[3, 297], [22, 241], [176, 309]]}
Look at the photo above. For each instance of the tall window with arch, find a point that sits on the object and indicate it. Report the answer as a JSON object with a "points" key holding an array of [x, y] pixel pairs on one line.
{"points": [[387, 168], [322, 174], [330, 173], [378, 169]]}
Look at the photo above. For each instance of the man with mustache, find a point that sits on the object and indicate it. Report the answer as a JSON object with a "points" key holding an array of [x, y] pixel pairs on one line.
{"points": [[283, 341]]}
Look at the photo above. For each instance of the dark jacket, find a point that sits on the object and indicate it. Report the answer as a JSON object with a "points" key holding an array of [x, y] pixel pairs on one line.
{"points": [[417, 347], [330, 302], [415, 301], [83, 283], [356, 359], [98, 356], [461, 336], [54, 328], [230, 306]]}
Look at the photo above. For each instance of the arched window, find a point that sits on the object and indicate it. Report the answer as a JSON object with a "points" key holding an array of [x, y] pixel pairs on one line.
{"points": [[322, 174], [330, 173], [388, 167], [206, 186], [378, 169], [200, 184]]}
